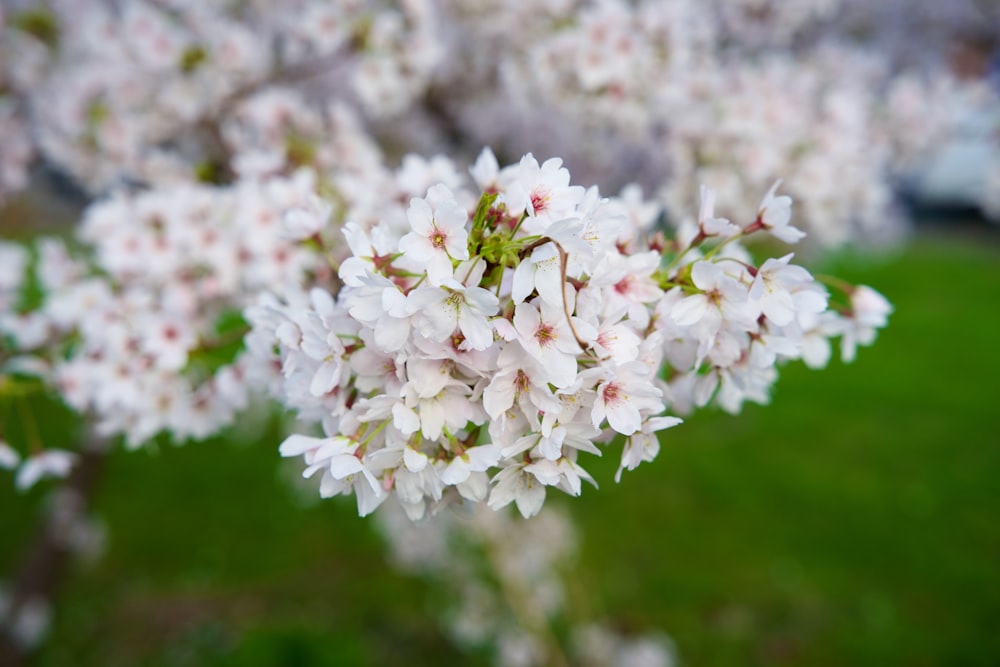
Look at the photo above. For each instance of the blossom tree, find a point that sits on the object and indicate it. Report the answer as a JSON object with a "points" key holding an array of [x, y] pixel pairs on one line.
{"points": [[281, 203]]}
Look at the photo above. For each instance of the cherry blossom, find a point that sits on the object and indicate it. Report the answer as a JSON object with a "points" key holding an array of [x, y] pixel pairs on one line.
{"points": [[481, 368]]}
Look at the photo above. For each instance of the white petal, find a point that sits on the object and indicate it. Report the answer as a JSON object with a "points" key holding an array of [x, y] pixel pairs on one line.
{"points": [[296, 445], [415, 461], [345, 465], [689, 310]]}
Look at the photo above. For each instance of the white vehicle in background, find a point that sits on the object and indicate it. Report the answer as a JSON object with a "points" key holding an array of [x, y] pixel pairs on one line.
{"points": [[964, 170]]}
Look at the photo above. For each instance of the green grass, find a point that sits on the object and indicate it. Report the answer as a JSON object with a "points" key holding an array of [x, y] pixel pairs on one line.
{"points": [[853, 522]]}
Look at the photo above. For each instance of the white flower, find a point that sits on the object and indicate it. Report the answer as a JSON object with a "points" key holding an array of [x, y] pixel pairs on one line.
{"points": [[440, 310], [869, 312], [707, 222], [773, 288], [474, 459], [543, 193], [306, 221], [48, 463], [547, 337], [521, 380], [341, 468], [9, 458], [515, 484], [438, 235], [624, 393], [379, 304], [540, 271], [722, 302], [775, 214], [486, 170], [448, 408], [644, 445], [371, 250]]}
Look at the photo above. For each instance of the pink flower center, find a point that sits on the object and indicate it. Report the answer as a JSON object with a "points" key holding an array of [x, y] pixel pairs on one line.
{"points": [[545, 335], [437, 239], [613, 394], [539, 200], [521, 382]]}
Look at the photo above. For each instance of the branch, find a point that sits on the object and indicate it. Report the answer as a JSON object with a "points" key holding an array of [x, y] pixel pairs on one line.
{"points": [[33, 586]]}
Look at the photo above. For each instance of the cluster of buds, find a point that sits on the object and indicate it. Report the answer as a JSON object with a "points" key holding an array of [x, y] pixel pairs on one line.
{"points": [[476, 349]]}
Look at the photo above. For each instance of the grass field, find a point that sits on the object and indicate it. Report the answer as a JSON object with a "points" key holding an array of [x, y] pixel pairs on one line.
{"points": [[853, 522]]}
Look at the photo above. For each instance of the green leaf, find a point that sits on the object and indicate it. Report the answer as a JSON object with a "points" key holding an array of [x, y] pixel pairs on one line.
{"points": [[40, 23]]}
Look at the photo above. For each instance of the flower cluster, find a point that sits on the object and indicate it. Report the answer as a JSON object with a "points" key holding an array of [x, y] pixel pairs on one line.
{"points": [[477, 347], [683, 92], [150, 341], [144, 91]]}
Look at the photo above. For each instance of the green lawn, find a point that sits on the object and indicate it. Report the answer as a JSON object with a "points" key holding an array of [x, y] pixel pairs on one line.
{"points": [[853, 522]]}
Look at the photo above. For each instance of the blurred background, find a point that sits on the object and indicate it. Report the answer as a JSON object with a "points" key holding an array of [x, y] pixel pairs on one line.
{"points": [[853, 521]]}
